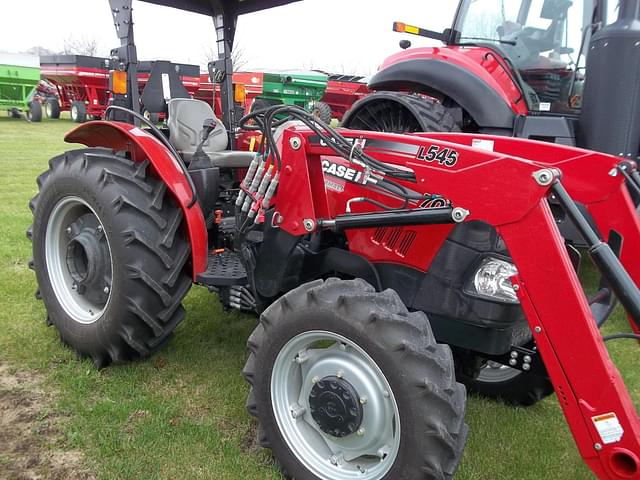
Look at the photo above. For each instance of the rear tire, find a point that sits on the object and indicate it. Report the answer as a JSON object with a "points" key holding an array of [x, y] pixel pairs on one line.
{"points": [[395, 112], [384, 357], [117, 298], [34, 114], [78, 112], [322, 111], [52, 108]]}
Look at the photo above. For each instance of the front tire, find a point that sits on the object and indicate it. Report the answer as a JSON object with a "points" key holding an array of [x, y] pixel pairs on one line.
{"points": [[78, 112], [398, 413], [509, 385], [34, 113], [52, 108], [110, 255]]}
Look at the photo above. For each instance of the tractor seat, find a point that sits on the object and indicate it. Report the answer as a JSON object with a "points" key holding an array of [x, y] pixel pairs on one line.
{"points": [[185, 122]]}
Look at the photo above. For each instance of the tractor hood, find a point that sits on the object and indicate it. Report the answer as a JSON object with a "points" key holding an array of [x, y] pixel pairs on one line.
{"points": [[209, 7]]}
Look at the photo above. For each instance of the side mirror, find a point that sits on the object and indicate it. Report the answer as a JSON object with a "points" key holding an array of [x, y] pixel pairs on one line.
{"points": [[404, 44]]}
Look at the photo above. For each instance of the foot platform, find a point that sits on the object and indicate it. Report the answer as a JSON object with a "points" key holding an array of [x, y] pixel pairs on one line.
{"points": [[223, 270]]}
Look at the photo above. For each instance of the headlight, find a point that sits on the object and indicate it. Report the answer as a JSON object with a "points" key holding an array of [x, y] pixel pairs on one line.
{"points": [[492, 281]]}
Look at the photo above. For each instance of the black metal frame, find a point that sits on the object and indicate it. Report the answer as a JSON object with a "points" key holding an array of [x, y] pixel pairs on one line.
{"points": [[225, 17], [125, 57]]}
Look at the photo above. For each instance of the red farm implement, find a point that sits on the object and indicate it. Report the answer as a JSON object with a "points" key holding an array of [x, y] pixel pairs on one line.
{"points": [[342, 92], [385, 268], [82, 84]]}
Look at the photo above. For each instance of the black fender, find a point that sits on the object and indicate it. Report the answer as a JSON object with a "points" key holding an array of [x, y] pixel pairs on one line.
{"points": [[473, 94]]}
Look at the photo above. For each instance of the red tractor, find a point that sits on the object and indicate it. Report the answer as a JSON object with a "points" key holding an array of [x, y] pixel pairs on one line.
{"points": [[383, 266], [515, 69]]}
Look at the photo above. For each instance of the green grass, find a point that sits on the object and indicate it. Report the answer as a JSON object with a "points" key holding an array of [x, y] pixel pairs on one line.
{"points": [[180, 414]]}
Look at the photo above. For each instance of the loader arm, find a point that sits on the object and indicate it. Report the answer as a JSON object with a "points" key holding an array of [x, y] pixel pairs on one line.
{"points": [[510, 193], [591, 178]]}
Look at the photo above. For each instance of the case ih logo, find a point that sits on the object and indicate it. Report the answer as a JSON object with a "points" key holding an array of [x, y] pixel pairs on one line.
{"points": [[341, 171]]}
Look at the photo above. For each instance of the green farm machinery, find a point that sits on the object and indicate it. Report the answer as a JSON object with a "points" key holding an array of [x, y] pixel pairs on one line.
{"points": [[19, 76], [301, 88]]}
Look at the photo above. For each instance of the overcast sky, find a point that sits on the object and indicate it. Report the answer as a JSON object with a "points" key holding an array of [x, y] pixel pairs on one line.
{"points": [[350, 36]]}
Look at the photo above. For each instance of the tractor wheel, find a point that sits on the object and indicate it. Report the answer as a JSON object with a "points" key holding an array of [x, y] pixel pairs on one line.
{"points": [[322, 111], [509, 385], [110, 255], [34, 113], [13, 113], [78, 112], [346, 383], [52, 108], [395, 112]]}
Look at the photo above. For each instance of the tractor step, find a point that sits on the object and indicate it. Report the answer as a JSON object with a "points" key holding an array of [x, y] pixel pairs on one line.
{"points": [[223, 270]]}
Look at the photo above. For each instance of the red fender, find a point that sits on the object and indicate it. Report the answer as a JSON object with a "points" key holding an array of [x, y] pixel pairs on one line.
{"points": [[481, 62], [142, 145]]}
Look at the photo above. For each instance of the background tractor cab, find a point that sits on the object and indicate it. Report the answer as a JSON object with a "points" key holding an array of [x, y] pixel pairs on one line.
{"points": [[542, 40], [563, 71]]}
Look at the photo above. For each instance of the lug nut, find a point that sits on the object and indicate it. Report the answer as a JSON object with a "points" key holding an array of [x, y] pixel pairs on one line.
{"points": [[297, 411], [527, 359], [315, 380], [513, 362], [360, 432], [363, 400], [106, 290], [514, 354], [526, 367], [68, 230]]}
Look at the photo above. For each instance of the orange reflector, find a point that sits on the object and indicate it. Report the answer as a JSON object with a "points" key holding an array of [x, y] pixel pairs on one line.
{"points": [[239, 93], [399, 27], [119, 82]]}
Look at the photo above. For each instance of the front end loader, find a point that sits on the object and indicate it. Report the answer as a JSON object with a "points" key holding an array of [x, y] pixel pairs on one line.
{"points": [[556, 71], [330, 235]]}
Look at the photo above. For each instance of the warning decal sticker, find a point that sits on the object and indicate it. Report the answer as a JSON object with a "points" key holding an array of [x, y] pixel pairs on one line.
{"points": [[608, 427]]}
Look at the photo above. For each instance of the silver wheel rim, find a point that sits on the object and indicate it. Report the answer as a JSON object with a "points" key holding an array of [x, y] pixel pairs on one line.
{"points": [[84, 304], [74, 112], [495, 373], [48, 109], [367, 454]]}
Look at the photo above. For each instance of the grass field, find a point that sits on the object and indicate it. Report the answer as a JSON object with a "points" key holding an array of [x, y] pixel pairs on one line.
{"points": [[180, 414]]}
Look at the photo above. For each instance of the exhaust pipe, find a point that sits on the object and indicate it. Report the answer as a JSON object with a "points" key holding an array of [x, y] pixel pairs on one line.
{"points": [[610, 117]]}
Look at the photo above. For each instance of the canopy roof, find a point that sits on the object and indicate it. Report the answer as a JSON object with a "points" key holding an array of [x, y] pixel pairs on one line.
{"points": [[233, 7]]}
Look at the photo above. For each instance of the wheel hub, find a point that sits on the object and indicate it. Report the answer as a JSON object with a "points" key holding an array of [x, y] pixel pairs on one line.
{"points": [[335, 406], [78, 259], [88, 259]]}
